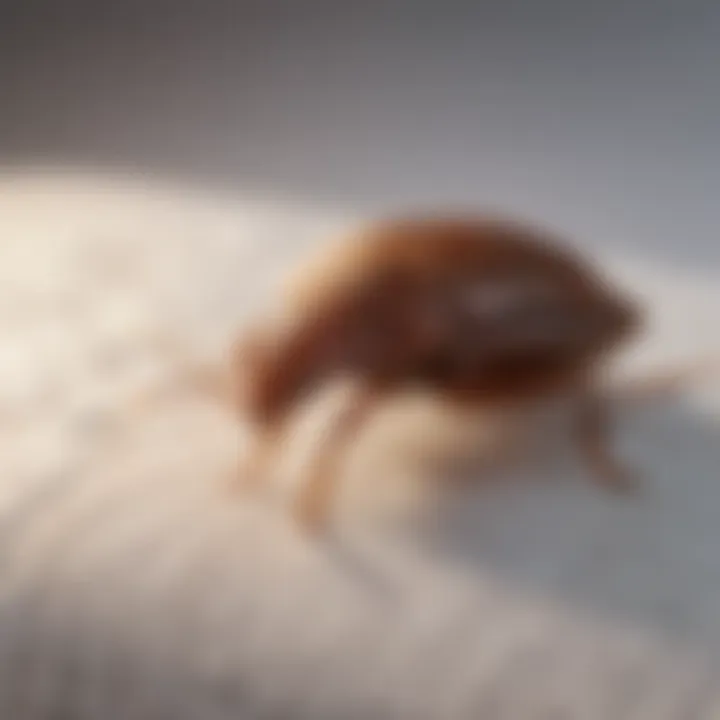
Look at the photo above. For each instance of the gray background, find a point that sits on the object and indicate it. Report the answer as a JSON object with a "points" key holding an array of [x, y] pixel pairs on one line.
{"points": [[602, 117]]}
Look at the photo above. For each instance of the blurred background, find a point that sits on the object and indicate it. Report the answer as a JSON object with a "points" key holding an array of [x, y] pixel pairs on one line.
{"points": [[600, 116], [160, 162]]}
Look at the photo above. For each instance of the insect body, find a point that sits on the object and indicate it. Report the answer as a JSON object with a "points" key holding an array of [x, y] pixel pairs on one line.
{"points": [[482, 311]]}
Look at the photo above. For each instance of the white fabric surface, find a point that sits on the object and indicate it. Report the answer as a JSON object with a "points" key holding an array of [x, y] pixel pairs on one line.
{"points": [[132, 586]]}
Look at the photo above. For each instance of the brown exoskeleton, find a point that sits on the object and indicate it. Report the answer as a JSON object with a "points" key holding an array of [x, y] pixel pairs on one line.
{"points": [[481, 311]]}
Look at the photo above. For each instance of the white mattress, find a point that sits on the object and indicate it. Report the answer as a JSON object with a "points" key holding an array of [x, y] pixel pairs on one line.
{"points": [[133, 586]]}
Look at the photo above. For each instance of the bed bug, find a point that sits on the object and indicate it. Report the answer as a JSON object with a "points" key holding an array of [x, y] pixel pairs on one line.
{"points": [[487, 312]]}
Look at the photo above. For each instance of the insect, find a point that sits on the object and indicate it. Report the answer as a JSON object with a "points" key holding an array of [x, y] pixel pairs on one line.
{"points": [[488, 312]]}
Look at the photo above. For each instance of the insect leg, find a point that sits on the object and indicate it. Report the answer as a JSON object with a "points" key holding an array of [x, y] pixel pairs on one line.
{"points": [[592, 433], [313, 503]]}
